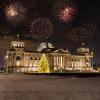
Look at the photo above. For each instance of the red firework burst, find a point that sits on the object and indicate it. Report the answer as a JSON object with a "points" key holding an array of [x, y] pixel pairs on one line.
{"points": [[65, 10]]}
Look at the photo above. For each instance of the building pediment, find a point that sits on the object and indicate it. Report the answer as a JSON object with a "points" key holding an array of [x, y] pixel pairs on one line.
{"points": [[60, 51]]}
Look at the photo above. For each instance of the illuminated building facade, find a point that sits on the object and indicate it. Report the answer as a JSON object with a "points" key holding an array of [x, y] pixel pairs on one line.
{"points": [[18, 59]]}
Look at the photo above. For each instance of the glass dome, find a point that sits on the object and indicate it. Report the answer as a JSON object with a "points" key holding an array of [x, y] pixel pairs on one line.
{"points": [[44, 45]]}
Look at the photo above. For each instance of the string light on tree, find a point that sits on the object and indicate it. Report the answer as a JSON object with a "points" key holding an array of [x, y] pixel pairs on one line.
{"points": [[43, 65]]}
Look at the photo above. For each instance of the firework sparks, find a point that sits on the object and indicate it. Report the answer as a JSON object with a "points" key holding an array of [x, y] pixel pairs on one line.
{"points": [[65, 10], [41, 29], [15, 13], [83, 33]]}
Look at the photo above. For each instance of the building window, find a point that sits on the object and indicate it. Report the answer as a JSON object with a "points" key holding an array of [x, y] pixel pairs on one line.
{"points": [[18, 58], [31, 58], [35, 58]]}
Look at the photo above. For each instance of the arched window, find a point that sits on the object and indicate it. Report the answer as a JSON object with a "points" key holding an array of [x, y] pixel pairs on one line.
{"points": [[35, 58], [18, 58]]}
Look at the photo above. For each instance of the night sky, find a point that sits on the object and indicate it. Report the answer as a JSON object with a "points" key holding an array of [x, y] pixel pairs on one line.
{"points": [[88, 12]]}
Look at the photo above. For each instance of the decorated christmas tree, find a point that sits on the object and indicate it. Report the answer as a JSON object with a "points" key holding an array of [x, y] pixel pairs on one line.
{"points": [[43, 65]]}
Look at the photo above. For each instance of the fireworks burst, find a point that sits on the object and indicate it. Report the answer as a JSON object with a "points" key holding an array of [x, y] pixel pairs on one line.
{"points": [[83, 34], [15, 13], [41, 29], [64, 10]]}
